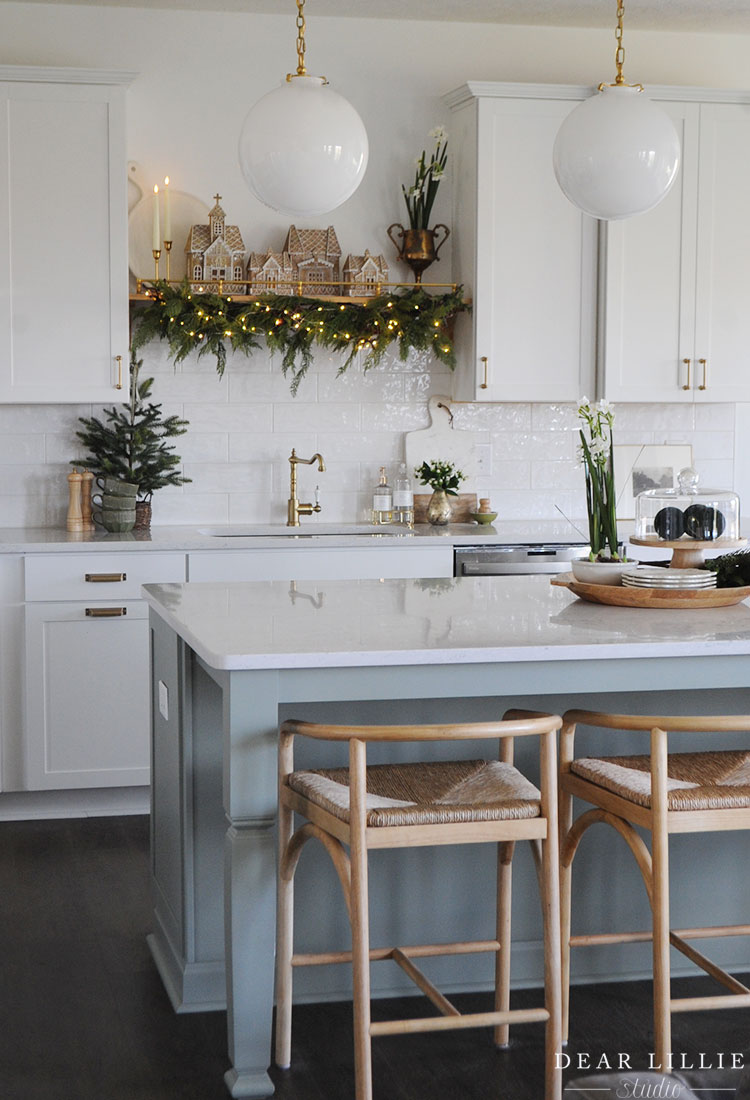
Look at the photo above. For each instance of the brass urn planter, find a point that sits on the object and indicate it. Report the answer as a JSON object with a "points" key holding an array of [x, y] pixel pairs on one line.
{"points": [[417, 247]]}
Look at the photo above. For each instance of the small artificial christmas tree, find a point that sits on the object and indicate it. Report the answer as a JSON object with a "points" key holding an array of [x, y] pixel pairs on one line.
{"points": [[132, 444]]}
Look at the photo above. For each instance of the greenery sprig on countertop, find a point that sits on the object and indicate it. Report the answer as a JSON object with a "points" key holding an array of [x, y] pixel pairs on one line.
{"points": [[732, 570], [210, 323]]}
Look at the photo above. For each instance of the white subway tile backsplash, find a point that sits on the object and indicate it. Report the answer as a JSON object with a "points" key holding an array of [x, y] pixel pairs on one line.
{"points": [[234, 418], [244, 426], [19, 449], [655, 418], [714, 418], [321, 417]]}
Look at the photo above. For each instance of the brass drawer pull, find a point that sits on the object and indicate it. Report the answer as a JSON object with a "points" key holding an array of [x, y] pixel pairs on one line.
{"points": [[687, 364], [483, 361], [106, 612], [105, 578], [703, 364], [118, 383]]}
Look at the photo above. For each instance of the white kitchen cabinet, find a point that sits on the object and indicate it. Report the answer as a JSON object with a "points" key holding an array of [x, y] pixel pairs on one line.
{"points": [[313, 563], [676, 282], [63, 236], [524, 254], [87, 720]]}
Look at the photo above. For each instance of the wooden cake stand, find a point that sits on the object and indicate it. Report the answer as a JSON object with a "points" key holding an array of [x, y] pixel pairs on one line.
{"points": [[688, 553]]}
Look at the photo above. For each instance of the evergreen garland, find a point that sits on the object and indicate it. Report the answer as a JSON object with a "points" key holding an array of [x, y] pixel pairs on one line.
{"points": [[293, 325], [132, 443]]}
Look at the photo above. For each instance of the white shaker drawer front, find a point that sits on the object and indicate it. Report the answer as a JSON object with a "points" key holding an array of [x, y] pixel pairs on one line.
{"points": [[96, 577]]}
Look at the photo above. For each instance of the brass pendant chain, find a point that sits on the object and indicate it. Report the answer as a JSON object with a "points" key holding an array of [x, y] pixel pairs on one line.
{"points": [[301, 70], [620, 54], [620, 51]]}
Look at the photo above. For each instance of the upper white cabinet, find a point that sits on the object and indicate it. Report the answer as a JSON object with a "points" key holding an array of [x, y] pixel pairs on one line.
{"points": [[525, 255], [63, 236], [675, 323]]}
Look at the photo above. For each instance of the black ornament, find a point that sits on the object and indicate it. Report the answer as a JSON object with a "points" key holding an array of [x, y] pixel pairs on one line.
{"points": [[704, 522], [669, 524]]}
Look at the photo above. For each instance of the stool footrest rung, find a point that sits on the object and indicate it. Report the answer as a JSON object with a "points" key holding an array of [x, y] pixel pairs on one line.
{"points": [[449, 1023], [699, 1004], [415, 951]]}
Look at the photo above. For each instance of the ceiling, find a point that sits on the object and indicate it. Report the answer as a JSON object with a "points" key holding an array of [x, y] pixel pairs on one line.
{"points": [[715, 16]]}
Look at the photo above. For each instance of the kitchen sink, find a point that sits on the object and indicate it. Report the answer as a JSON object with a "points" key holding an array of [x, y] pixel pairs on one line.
{"points": [[260, 530]]}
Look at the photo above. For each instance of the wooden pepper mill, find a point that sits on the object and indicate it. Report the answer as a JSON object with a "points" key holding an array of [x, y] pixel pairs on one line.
{"points": [[75, 515], [87, 481]]}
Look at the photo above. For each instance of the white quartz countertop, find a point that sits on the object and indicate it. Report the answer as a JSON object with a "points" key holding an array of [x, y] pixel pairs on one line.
{"points": [[23, 540], [329, 624]]}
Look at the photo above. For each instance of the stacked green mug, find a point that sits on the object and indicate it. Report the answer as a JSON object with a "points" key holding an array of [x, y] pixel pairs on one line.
{"points": [[115, 508]]}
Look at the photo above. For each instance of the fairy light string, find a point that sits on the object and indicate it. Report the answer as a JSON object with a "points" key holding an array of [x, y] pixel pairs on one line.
{"points": [[212, 324]]}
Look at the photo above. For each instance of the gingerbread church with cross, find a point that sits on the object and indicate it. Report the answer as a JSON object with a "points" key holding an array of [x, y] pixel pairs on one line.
{"points": [[216, 252]]}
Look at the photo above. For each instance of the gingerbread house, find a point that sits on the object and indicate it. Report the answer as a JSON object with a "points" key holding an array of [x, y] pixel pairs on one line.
{"points": [[310, 260], [216, 252], [364, 275]]}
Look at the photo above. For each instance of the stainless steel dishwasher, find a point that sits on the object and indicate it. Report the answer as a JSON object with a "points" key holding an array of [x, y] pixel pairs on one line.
{"points": [[519, 558]]}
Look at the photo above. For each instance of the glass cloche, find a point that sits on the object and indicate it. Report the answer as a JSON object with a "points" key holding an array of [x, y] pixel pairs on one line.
{"points": [[687, 512]]}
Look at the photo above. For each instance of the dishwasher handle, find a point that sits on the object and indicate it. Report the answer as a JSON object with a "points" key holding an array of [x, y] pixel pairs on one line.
{"points": [[505, 569]]}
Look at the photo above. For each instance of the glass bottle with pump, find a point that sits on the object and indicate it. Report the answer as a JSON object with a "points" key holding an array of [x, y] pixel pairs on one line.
{"points": [[403, 498], [382, 500]]}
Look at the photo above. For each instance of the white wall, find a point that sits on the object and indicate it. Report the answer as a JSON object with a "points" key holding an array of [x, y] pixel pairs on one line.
{"points": [[198, 74]]}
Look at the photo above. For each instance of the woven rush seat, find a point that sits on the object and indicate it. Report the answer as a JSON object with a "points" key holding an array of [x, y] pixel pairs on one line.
{"points": [[695, 780], [426, 794]]}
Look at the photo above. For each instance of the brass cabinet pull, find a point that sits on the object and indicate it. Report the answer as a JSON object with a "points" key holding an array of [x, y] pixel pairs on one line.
{"points": [[118, 360], [483, 361], [105, 578], [106, 612], [703, 364], [687, 363]]}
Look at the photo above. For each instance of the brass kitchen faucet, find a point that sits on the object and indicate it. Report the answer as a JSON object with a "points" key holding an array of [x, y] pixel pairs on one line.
{"points": [[294, 508]]}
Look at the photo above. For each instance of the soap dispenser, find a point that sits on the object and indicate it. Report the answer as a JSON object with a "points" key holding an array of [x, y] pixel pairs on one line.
{"points": [[382, 500]]}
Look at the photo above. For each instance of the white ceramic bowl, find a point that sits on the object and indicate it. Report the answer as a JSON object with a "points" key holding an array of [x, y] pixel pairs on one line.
{"points": [[600, 572]]}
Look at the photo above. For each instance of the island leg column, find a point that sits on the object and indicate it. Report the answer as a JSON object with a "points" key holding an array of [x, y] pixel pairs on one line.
{"points": [[250, 800]]}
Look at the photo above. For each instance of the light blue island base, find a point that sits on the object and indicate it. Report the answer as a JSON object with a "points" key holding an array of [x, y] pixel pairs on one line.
{"points": [[228, 660]]}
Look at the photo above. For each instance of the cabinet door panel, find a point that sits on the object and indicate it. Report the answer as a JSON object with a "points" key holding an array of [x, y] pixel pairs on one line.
{"points": [[722, 331], [87, 698], [649, 288], [64, 201], [535, 286], [308, 563]]}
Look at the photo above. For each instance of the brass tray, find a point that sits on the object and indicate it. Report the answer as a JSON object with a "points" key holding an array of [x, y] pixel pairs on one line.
{"points": [[619, 596]]}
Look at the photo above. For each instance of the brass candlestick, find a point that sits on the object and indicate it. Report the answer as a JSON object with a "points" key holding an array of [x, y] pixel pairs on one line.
{"points": [[167, 249], [156, 253]]}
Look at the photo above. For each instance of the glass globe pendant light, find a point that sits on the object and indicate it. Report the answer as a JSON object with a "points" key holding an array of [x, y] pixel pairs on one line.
{"points": [[303, 148], [617, 154]]}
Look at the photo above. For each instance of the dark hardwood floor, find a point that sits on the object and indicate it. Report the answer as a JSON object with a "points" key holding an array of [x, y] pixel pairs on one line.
{"points": [[85, 1017]]}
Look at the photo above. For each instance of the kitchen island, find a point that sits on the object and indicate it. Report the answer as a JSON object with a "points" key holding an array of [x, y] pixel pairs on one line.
{"points": [[229, 658]]}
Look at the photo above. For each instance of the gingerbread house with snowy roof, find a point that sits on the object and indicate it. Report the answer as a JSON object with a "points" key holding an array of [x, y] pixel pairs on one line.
{"points": [[364, 275], [215, 254], [309, 263]]}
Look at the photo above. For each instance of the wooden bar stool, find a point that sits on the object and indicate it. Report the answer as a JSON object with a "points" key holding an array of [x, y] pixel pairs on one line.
{"points": [[664, 793], [405, 806]]}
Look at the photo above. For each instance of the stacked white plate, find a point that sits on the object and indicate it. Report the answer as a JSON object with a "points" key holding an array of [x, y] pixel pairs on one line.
{"points": [[659, 576]]}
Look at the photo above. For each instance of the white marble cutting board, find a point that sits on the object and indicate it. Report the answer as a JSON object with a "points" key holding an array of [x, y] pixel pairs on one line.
{"points": [[442, 441]]}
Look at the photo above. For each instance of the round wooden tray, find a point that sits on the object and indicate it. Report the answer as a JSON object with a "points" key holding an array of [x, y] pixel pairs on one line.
{"points": [[688, 553], [620, 596]]}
